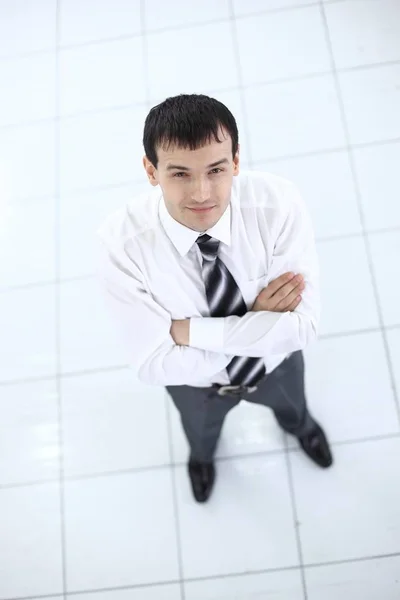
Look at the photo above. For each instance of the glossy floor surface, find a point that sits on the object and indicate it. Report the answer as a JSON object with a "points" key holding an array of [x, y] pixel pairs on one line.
{"points": [[94, 498]]}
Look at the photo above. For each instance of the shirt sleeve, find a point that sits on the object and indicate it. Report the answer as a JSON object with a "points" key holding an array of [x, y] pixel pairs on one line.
{"points": [[265, 333], [145, 327]]}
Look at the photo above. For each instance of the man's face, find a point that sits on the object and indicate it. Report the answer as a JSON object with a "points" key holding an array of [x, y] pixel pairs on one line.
{"points": [[196, 184]]}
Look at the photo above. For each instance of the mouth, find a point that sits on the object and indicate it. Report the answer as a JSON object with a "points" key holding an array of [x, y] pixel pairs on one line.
{"points": [[202, 210]]}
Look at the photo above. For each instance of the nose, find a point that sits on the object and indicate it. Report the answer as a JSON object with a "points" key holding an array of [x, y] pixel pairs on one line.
{"points": [[201, 191]]}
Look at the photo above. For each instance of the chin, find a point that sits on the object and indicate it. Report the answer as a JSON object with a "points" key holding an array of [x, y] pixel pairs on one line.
{"points": [[204, 225]]}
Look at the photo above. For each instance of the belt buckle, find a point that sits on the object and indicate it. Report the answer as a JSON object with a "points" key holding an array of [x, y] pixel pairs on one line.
{"points": [[224, 390], [235, 390]]}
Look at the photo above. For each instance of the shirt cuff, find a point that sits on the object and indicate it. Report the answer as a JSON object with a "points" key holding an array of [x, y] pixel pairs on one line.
{"points": [[207, 333]]}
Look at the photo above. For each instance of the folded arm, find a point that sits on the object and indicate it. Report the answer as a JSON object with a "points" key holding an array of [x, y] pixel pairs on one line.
{"points": [[145, 325], [267, 333]]}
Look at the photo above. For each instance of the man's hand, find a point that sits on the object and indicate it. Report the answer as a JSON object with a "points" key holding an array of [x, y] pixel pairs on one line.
{"points": [[281, 295], [180, 332]]}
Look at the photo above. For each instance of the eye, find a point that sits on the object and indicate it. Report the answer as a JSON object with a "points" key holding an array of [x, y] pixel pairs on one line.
{"points": [[179, 174], [216, 171]]}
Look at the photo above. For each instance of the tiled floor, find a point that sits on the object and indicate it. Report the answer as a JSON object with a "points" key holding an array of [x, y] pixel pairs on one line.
{"points": [[94, 495]]}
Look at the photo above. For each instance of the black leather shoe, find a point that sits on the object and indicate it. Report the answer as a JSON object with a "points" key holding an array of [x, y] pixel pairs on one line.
{"points": [[202, 477], [316, 446]]}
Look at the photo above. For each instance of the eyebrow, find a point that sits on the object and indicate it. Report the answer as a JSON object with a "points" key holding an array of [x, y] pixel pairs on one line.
{"points": [[223, 161]]}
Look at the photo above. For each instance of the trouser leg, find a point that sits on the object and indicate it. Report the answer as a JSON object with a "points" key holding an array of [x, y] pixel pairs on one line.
{"points": [[202, 413], [283, 391]]}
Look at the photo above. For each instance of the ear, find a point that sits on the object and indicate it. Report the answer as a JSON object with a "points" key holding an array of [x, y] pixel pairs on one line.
{"points": [[236, 162], [151, 171]]}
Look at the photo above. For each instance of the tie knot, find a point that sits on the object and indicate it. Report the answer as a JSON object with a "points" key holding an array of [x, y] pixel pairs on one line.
{"points": [[208, 246]]}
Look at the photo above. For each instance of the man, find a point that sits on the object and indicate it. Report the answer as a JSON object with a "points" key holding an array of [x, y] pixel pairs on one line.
{"points": [[213, 277]]}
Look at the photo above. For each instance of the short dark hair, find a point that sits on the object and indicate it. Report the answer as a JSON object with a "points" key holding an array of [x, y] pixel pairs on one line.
{"points": [[189, 121]]}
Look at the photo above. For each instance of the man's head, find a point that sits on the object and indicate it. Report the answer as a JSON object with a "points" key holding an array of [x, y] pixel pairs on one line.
{"points": [[192, 152]]}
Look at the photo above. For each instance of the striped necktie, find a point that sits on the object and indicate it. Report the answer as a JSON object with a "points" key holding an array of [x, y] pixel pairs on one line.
{"points": [[225, 299]]}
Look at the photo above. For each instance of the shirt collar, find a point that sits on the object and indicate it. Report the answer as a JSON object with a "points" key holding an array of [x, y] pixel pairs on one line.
{"points": [[183, 238]]}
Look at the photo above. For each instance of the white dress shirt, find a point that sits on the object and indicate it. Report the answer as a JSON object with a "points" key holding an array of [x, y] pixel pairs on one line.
{"points": [[151, 268]]}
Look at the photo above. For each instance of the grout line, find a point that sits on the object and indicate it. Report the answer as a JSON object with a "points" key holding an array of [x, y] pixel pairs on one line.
{"points": [[168, 420], [27, 484], [365, 440], [361, 211], [57, 302], [295, 518], [91, 276], [295, 567], [74, 193], [51, 596], [145, 54], [215, 577], [367, 66], [352, 560], [50, 282], [215, 91], [64, 375], [341, 334], [175, 503], [356, 234], [155, 31], [243, 103], [177, 28], [282, 9], [130, 185], [182, 464], [111, 369]]}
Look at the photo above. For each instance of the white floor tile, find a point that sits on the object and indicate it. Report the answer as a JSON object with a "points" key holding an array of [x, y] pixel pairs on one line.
{"points": [[32, 221], [27, 161], [157, 592], [371, 98], [246, 7], [101, 149], [80, 217], [345, 279], [385, 248], [348, 386], [29, 433], [326, 184], [379, 185], [101, 76], [28, 89], [111, 423], [120, 530], [188, 54], [28, 341], [293, 118], [26, 26], [394, 349], [30, 541], [248, 429], [364, 32], [89, 338], [351, 510], [365, 580], [177, 13], [100, 20], [283, 585], [291, 44], [247, 525]]}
